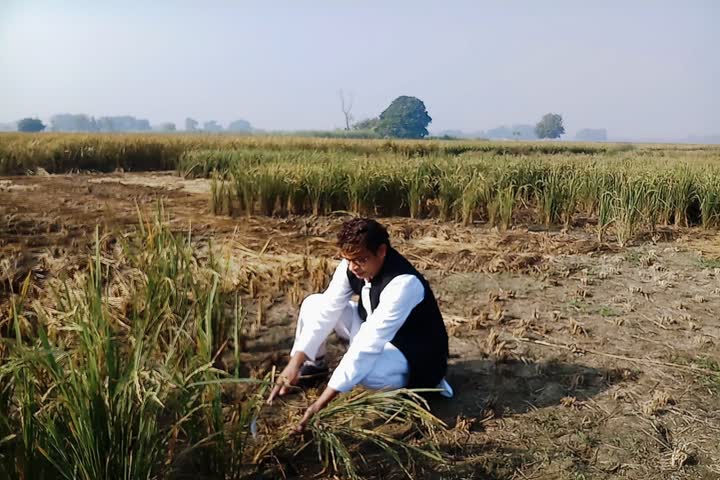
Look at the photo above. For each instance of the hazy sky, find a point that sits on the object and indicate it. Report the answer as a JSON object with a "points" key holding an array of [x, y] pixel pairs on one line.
{"points": [[637, 68]]}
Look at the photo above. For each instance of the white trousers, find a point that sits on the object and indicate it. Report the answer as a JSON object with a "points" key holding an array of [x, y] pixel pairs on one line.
{"points": [[391, 370]]}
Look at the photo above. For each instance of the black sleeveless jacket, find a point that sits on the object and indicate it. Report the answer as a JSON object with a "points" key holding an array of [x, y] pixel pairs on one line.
{"points": [[422, 338]]}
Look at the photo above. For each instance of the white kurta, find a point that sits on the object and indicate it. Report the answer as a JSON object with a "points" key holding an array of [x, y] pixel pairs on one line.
{"points": [[371, 360]]}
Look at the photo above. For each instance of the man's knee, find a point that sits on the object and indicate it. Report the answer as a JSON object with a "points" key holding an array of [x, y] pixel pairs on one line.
{"points": [[311, 304]]}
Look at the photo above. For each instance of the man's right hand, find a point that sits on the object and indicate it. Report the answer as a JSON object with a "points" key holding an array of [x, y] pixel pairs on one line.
{"points": [[289, 376]]}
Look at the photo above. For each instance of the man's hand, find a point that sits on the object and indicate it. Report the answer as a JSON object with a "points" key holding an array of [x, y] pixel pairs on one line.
{"points": [[289, 376], [322, 401], [312, 410]]}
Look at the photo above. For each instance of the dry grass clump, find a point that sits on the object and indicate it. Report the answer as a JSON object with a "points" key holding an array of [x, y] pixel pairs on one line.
{"points": [[658, 403], [358, 428]]}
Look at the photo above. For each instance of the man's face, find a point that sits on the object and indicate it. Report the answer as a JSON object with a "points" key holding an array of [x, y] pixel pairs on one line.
{"points": [[363, 263]]}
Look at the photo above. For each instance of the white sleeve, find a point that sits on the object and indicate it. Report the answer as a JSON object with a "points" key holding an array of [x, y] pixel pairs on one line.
{"points": [[316, 329], [397, 300]]}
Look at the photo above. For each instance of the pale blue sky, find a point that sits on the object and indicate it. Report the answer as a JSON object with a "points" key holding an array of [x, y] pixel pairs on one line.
{"points": [[646, 69]]}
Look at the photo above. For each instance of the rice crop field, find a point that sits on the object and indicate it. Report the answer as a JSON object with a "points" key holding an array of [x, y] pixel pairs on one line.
{"points": [[149, 287], [66, 152]]}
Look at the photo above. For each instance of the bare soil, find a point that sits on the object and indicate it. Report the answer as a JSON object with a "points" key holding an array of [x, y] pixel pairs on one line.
{"points": [[570, 358]]}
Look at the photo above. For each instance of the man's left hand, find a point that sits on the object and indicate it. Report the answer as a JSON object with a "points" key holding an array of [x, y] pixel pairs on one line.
{"points": [[322, 401], [312, 410]]}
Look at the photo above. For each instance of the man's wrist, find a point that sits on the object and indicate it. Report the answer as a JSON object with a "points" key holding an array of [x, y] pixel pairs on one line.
{"points": [[298, 359], [326, 397]]}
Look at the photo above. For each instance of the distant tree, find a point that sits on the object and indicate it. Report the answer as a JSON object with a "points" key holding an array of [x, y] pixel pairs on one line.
{"points": [[592, 135], [212, 126], [346, 105], [239, 126], [122, 123], [451, 134], [30, 125], [367, 124], [550, 126], [68, 122], [517, 132], [166, 127], [406, 117], [191, 125], [142, 125]]}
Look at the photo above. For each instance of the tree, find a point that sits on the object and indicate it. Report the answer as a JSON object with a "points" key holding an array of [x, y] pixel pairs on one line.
{"points": [[406, 117], [367, 124], [239, 126], [550, 126], [30, 125], [518, 132], [346, 106], [191, 124], [68, 122], [212, 126], [166, 127], [592, 135], [122, 123]]}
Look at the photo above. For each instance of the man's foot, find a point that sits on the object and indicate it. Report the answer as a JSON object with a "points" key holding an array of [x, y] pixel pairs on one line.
{"points": [[446, 389], [313, 374]]}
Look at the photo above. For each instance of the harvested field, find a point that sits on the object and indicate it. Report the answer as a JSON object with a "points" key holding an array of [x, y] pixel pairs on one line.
{"points": [[571, 358]]}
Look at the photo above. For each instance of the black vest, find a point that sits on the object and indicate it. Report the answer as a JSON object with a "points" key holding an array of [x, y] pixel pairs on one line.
{"points": [[422, 338]]}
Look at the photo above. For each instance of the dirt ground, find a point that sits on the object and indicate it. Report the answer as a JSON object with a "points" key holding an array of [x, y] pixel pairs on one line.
{"points": [[570, 359]]}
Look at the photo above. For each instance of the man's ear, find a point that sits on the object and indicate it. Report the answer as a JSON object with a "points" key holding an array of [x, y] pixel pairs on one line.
{"points": [[382, 250]]}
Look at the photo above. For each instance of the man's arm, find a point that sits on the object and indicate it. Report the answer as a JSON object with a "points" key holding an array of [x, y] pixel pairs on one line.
{"points": [[315, 330]]}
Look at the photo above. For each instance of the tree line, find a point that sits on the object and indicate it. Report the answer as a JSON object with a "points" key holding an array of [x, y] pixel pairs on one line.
{"points": [[405, 117], [70, 122]]}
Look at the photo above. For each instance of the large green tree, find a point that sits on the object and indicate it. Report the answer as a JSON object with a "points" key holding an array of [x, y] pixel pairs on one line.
{"points": [[550, 126], [30, 125], [406, 117]]}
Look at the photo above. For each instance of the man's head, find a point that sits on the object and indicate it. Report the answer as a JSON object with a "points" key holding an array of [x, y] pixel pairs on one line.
{"points": [[364, 244]]}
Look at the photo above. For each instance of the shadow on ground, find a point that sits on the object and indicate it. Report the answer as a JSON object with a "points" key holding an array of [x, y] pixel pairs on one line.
{"points": [[498, 388]]}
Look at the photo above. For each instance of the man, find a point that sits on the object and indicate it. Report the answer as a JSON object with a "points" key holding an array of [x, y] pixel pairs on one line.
{"points": [[396, 332]]}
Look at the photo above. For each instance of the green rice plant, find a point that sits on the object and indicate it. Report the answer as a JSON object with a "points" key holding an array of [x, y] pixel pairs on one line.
{"points": [[708, 194], [221, 198], [449, 190], [500, 208], [549, 192], [364, 186], [652, 204], [475, 195], [419, 183], [590, 189], [627, 206], [663, 204], [605, 213], [19, 400], [682, 193], [571, 197], [295, 195], [322, 185], [128, 391]]}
